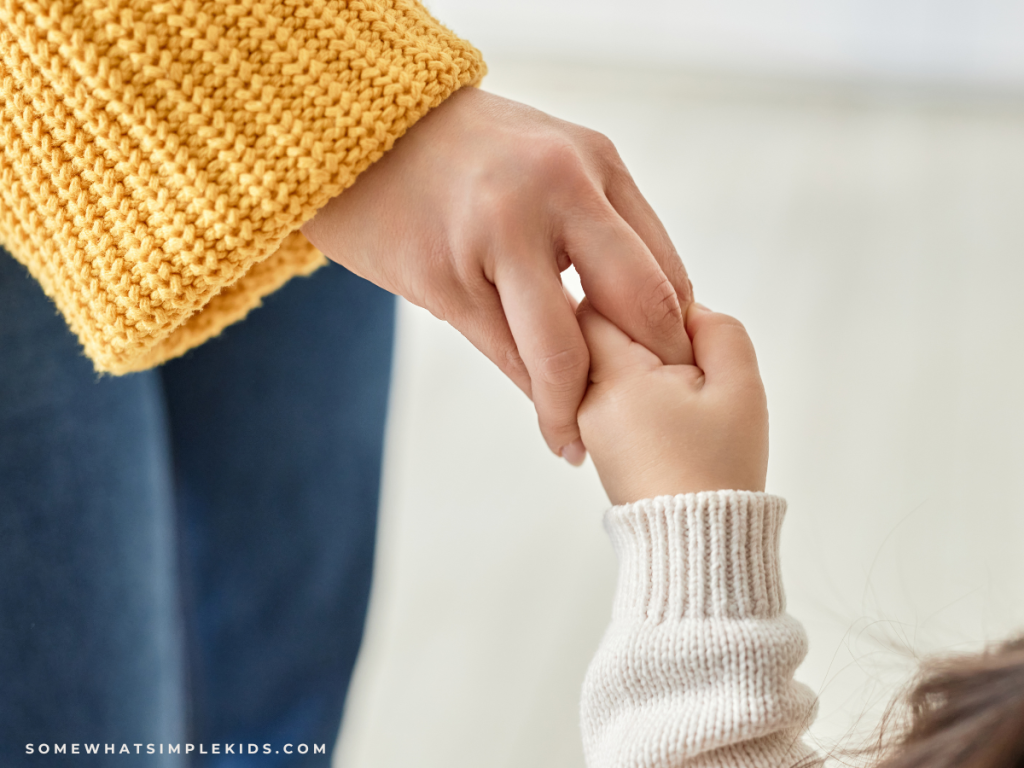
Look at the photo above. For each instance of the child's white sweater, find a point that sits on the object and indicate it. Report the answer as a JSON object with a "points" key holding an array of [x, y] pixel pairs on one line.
{"points": [[696, 667]]}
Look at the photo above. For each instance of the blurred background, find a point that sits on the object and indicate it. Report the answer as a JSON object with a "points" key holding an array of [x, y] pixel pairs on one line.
{"points": [[847, 177]]}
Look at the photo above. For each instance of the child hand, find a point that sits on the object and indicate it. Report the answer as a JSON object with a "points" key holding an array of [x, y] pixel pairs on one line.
{"points": [[655, 429]]}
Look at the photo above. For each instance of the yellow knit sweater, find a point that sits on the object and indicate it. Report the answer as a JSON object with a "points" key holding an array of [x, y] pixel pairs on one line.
{"points": [[158, 158]]}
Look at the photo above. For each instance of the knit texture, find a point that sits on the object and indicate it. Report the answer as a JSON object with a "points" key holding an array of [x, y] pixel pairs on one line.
{"points": [[696, 667], [158, 158]]}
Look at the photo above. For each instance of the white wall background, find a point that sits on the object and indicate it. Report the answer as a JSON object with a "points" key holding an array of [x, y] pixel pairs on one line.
{"points": [[965, 42], [871, 238]]}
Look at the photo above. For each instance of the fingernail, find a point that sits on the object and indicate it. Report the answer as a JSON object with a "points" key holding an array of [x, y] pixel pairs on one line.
{"points": [[692, 295], [574, 452]]}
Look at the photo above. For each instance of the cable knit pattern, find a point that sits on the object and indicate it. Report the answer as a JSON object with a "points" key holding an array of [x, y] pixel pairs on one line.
{"points": [[696, 667], [158, 158]]}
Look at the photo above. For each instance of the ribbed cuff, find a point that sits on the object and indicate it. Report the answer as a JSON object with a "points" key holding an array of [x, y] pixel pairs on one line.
{"points": [[698, 555]]}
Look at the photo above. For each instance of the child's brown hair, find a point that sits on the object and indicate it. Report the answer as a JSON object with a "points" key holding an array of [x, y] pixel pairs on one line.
{"points": [[966, 712]]}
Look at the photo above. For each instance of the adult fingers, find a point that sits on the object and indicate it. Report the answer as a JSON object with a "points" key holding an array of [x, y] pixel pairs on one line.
{"points": [[626, 284], [483, 322], [612, 352], [721, 347], [632, 206], [552, 347]]}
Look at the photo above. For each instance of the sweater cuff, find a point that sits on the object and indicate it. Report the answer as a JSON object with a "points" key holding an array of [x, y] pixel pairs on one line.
{"points": [[156, 162], [698, 555]]}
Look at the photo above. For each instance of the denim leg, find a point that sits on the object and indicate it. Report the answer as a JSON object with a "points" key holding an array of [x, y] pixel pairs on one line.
{"points": [[90, 630], [277, 429]]}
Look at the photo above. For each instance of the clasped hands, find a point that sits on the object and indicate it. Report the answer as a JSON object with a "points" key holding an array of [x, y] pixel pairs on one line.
{"points": [[473, 215]]}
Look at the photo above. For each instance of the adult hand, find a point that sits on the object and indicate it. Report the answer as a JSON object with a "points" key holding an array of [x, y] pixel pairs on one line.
{"points": [[474, 213]]}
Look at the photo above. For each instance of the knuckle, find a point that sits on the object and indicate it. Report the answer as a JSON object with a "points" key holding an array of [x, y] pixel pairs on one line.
{"points": [[467, 273], [512, 359], [560, 428], [562, 371], [560, 159], [605, 150], [600, 144], [662, 306]]}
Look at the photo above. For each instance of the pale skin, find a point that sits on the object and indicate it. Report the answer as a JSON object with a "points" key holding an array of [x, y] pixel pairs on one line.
{"points": [[473, 215], [655, 429]]}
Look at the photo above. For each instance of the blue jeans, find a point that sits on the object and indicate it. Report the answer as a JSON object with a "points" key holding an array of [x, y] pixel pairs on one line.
{"points": [[186, 553]]}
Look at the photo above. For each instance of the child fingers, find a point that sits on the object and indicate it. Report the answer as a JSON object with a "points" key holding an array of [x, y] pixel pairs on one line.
{"points": [[612, 352], [721, 347], [604, 339]]}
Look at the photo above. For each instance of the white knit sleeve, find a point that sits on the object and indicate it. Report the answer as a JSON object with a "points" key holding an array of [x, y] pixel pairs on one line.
{"points": [[696, 667]]}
